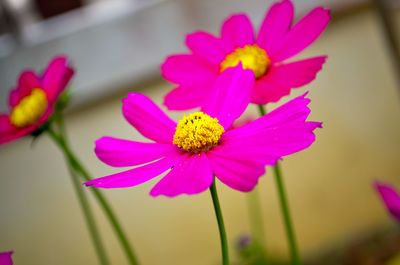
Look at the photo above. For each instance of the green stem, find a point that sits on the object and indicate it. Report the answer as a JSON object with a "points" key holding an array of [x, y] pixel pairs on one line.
{"points": [[90, 221], [101, 199], [286, 216], [221, 226], [61, 126], [285, 207], [262, 110]]}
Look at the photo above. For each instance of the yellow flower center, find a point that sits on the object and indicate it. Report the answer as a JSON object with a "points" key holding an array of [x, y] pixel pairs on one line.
{"points": [[251, 56], [29, 109], [197, 132]]}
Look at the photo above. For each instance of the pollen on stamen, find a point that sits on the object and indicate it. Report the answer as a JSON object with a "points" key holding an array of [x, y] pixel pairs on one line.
{"points": [[251, 56], [29, 109], [197, 132]]}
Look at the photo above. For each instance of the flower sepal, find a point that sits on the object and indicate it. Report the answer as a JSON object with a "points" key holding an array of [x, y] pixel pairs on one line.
{"points": [[62, 101], [41, 129]]}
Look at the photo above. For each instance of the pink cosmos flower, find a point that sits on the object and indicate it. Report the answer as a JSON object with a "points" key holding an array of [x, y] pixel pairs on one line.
{"points": [[32, 101], [5, 258], [277, 41], [202, 144], [390, 197]]}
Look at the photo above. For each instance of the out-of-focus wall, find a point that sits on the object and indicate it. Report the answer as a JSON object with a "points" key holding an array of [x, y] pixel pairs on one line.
{"points": [[329, 184]]}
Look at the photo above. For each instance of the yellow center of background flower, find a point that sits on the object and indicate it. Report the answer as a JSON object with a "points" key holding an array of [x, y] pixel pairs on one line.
{"points": [[29, 109], [197, 132], [251, 56]]}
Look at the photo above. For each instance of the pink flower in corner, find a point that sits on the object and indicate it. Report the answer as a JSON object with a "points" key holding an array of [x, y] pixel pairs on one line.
{"points": [[5, 258], [390, 197], [277, 41], [32, 101], [202, 144]]}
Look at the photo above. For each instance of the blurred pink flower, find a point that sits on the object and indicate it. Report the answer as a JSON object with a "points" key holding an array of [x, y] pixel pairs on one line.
{"points": [[5, 258], [277, 41], [32, 101], [390, 197], [202, 144]]}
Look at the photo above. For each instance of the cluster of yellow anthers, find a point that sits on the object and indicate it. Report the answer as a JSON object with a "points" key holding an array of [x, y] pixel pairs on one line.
{"points": [[251, 56], [29, 109], [197, 132]]}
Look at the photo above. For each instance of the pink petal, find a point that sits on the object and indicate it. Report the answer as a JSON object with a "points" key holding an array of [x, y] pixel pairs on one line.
{"points": [[305, 32], [238, 172], [207, 46], [186, 69], [123, 153], [237, 31], [232, 150], [298, 73], [148, 118], [275, 142], [267, 90], [230, 95], [191, 176], [18, 133], [281, 78], [5, 258], [5, 125], [26, 82], [56, 77], [195, 76], [281, 132], [390, 197], [137, 175], [187, 97], [14, 98], [294, 111], [275, 25], [8, 132]]}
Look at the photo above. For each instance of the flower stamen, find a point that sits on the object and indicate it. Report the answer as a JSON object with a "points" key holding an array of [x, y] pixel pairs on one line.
{"points": [[29, 109], [197, 132], [251, 56]]}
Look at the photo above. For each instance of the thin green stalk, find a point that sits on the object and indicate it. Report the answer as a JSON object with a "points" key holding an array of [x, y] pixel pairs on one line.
{"points": [[90, 221], [286, 216], [285, 208], [221, 226], [61, 126], [101, 199], [262, 110]]}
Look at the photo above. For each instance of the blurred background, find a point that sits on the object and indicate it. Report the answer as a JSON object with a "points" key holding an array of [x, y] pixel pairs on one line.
{"points": [[117, 46]]}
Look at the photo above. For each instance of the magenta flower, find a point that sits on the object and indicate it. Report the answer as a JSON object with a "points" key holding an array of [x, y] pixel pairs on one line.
{"points": [[390, 197], [5, 258], [277, 41], [32, 101], [201, 145]]}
